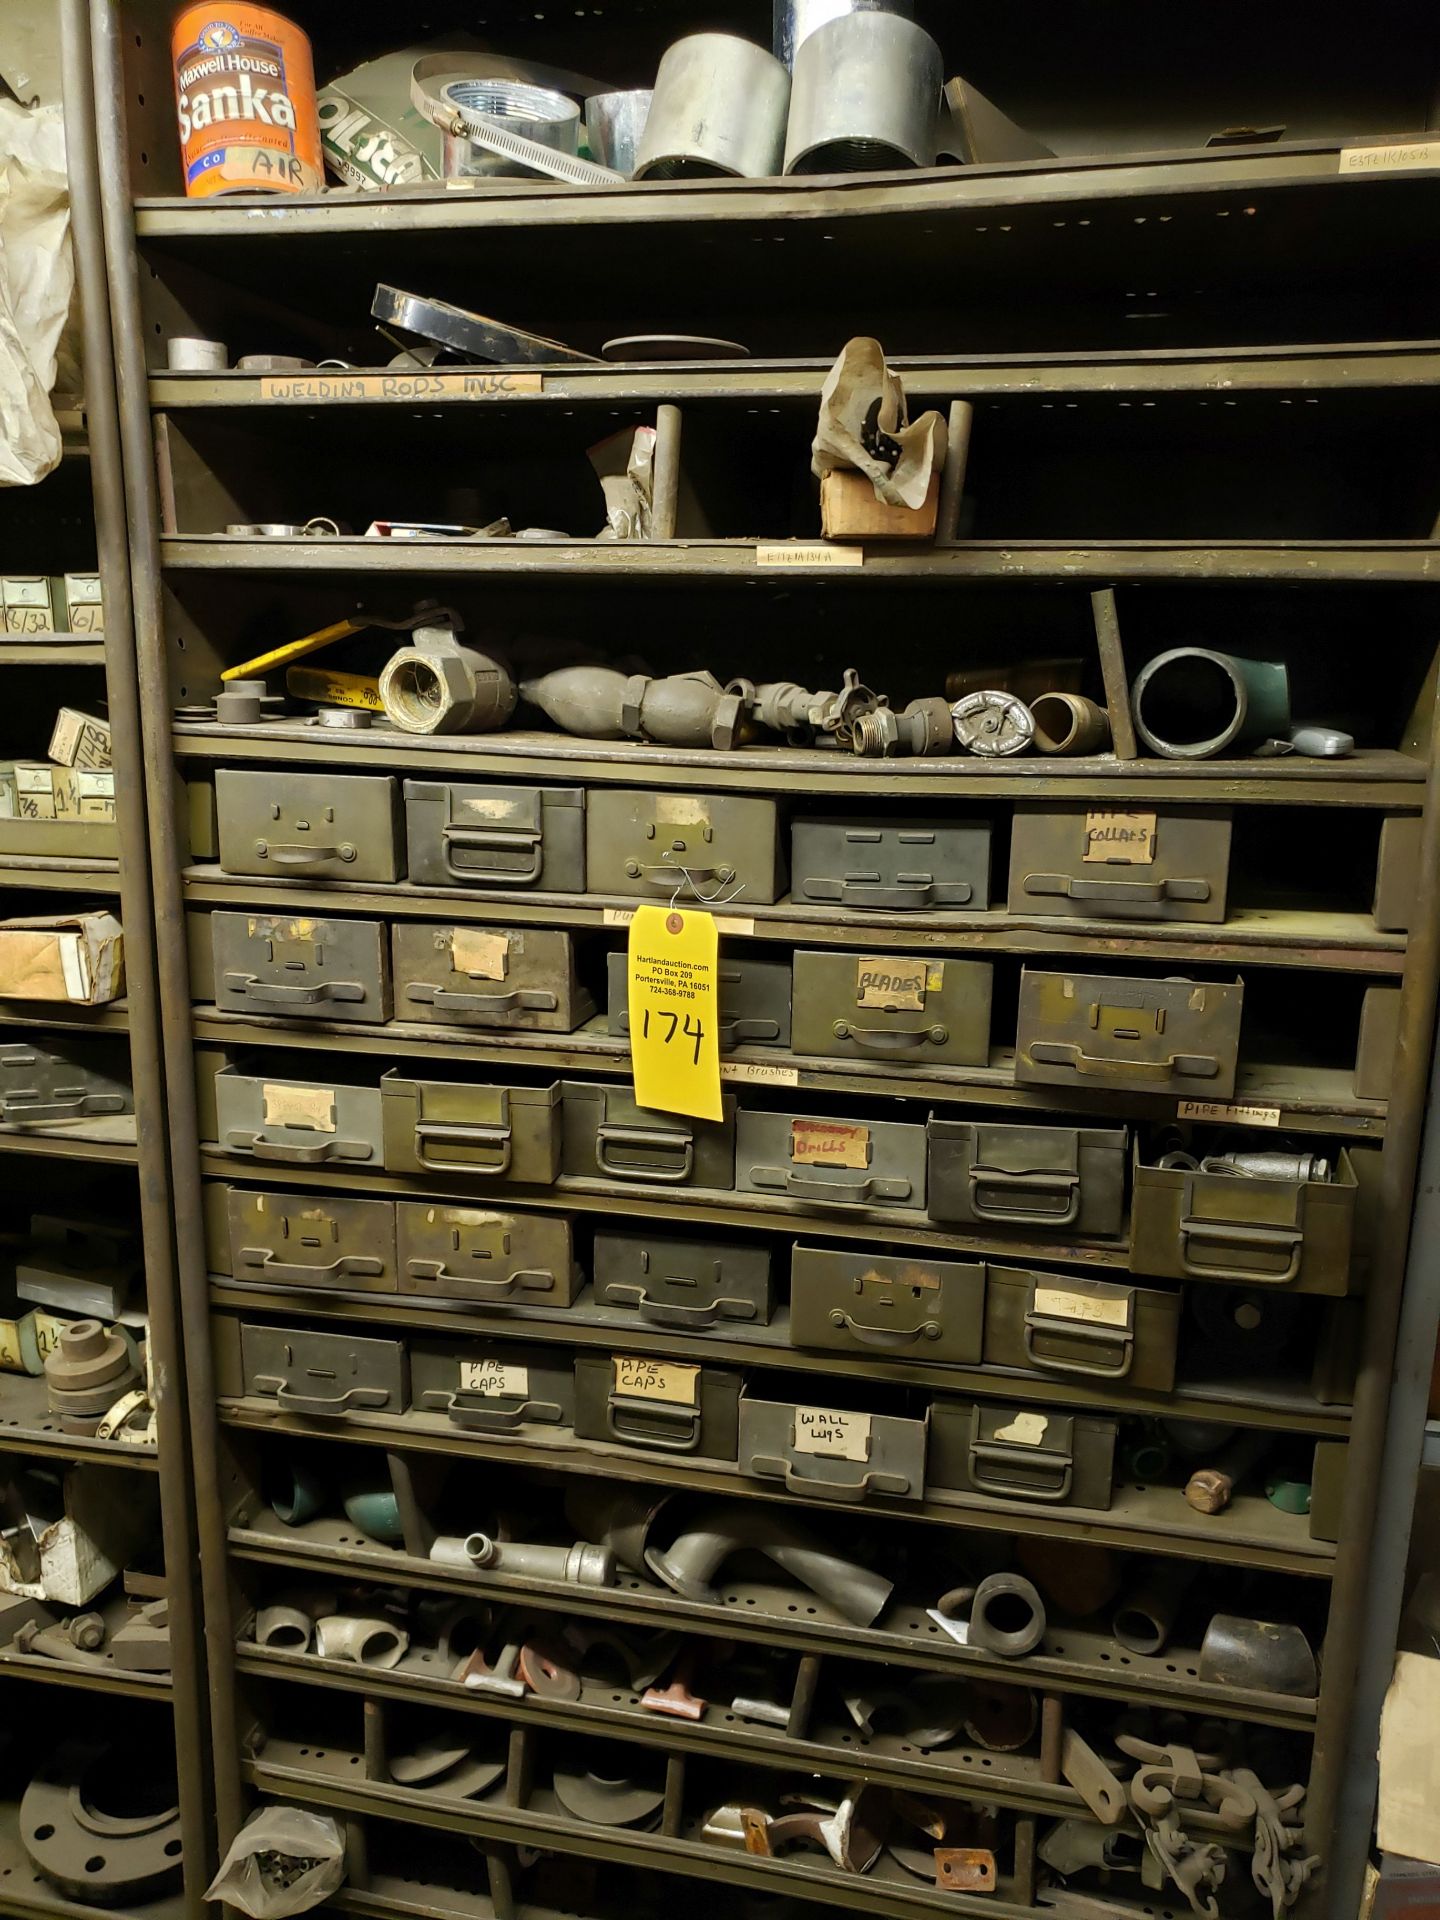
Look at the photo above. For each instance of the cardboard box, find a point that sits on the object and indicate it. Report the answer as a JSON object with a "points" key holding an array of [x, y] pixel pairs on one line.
{"points": [[849, 510], [9, 800], [79, 958], [89, 1522], [29, 604], [81, 740], [83, 793], [34, 790], [84, 603]]}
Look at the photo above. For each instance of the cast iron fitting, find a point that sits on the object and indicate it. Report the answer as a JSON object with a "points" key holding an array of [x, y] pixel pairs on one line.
{"points": [[1007, 1616], [369, 1643], [925, 727], [680, 710], [1145, 1619], [786, 707], [691, 1562], [1068, 725], [992, 724], [436, 685], [1192, 703], [617, 1518], [865, 97], [285, 1629]]}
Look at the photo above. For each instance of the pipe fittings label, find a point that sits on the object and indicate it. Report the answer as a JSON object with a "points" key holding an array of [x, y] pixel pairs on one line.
{"points": [[1237, 1116]]}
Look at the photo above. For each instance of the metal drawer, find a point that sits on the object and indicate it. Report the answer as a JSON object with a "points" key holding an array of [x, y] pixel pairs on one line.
{"points": [[754, 1001], [1327, 1488], [495, 1388], [483, 837], [323, 1375], [1189, 1224], [609, 1137], [1022, 1453], [303, 1123], [891, 866], [491, 1259], [848, 1163], [1379, 1037], [662, 1406], [301, 968], [496, 1132], [828, 1452], [296, 1240], [690, 1284], [903, 1010], [1397, 872], [1169, 863], [1147, 1036], [1049, 1179], [48, 1078], [280, 824], [856, 1301], [687, 846], [1092, 1330], [517, 977]]}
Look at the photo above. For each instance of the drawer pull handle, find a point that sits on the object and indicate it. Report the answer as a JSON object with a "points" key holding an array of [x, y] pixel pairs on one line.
{"points": [[20, 1112], [517, 1000], [908, 898], [665, 1313], [649, 1424], [770, 1467], [296, 853], [253, 988], [1194, 1066], [872, 1336], [458, 842], [1286, 1243], [330, 1148], [1016, 1472], [322, 1406], [1060, 1193], [526, 1279], [891, 1039], [485, 1413], [1117, 1340], [644, 1139], [823, 1184], [743, 1032], [1139, 893], [356, 1266], [497, 1140]]}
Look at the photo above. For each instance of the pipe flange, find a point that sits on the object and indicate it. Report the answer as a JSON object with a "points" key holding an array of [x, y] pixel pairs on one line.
{"points": [[456, 1772], [608, 1800], [81, 1828], [88, 1354]]}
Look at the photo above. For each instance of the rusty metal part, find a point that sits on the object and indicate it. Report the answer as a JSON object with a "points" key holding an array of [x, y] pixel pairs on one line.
{"points": [[1073, 1846], [369, 1643], [729, 1826], [784, 707], [691, 1562], [992, 724], [1279, 1879], [925, 727], [1068, 725], [1260, 1654], [1076, 1578], [543, 1668], [677, 1699], [100, 1857], [476, 1672], [1092, 1779], [965, 1869], [852, 1833], [601, 703], [1212, 1487], [999, 1718], [612, 1799]]}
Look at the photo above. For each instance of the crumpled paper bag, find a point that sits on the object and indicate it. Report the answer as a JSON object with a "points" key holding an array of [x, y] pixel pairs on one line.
{"points": [[37, 277], [865, 425]]}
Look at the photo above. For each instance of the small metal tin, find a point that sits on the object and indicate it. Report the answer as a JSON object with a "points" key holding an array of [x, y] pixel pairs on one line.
{"points": [[1146, 1036]]}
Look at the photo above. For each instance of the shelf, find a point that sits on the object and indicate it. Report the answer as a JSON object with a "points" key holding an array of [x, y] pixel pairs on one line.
{"points": [[929, 379], [1249, 1533], [60, 650], [1008, 1779], [27, 1426], [112, 1018], [587, 1324], [32, 871], [1373, 776], [1068, 1660], [103, 1676], [1334, 562], [110, 1140]]}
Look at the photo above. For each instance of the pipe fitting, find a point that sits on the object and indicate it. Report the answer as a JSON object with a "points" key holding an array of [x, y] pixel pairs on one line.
{"points": [[925, 727], [369, 1643], [436, 685], [283, 1629], [865, 97], [691, 1562], [601, 703], [1193, 703], [1007, 1616], [1068, 725], [582, 1565], [992, 724], [1145, 1619]]}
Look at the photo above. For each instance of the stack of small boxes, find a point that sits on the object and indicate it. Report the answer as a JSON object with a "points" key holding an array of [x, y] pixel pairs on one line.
{"points": [[38, 606], [75, 786]]}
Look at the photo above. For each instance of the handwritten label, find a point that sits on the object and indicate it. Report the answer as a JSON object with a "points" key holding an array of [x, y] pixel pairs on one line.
{"points": [[86, 618], [312, 388], [481, 955], [673, 995], [493, 1378], [1406, 158], [829, 1143], [831, 1433], [293, 1106], [808, 556], [47, 1333], [22, 620], [638, 1378], [1025, 1430], [758, 1076], [305, 933], [1236, 1116], [1119, 839], [11, 1360], [1060, 1304], [681, 810], [724, 922], [896, 986]]}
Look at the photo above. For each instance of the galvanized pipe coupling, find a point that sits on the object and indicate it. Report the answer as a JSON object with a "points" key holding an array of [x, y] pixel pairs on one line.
{"points": [[436, 685]]}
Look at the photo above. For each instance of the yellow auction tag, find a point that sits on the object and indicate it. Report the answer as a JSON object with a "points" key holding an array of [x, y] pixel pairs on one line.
{"points": [[674, 997]]}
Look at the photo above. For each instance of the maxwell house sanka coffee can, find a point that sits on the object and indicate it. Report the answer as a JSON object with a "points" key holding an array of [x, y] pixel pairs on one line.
{"points": [[245, 93]]}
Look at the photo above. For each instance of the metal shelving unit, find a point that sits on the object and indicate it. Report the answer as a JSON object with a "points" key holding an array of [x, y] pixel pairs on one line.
{"points": [[1287, 235]]}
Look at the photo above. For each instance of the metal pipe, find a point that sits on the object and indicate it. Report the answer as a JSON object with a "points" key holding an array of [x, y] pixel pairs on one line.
{"points": [[87, 170], [952, 476], [665, 479], [172, 1039], [865, 97]]}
